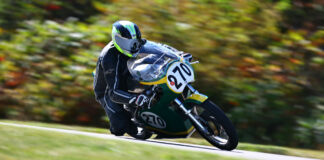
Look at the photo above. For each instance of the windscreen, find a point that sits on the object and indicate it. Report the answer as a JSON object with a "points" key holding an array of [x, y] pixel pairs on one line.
{"points": [[152, 62]]}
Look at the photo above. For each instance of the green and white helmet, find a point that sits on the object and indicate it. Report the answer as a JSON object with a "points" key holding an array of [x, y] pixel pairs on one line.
{"points": [[127, 38]]}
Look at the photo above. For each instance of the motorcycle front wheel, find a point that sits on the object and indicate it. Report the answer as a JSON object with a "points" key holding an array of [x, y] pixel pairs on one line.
{"points": [[220, 130]]}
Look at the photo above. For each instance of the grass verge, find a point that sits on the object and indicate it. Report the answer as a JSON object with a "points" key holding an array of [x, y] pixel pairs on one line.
{"points": [[24, 143], [242, 146]]}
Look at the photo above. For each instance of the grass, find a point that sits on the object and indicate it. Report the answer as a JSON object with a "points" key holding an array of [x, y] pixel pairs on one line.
{"points": [[61, 126], [263, 148], [31, 144], [243, 146]]}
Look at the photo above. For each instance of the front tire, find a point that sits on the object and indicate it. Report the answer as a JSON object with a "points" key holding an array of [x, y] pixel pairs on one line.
{"points": [[221, 132]]}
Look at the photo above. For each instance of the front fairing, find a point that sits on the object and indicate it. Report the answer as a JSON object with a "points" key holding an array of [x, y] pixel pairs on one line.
{"points": [[151, 62]]}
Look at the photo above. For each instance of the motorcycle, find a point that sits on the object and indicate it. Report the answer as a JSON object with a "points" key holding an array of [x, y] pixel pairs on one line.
{"points": [[175, 108]]}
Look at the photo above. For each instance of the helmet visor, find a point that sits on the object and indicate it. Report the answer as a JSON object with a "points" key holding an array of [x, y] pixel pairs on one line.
{"points": [[130, 45]]}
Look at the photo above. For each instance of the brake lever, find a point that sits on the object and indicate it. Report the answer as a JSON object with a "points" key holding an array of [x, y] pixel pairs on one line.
{"points": [[150, 101], [195, 62], [151, 93]]}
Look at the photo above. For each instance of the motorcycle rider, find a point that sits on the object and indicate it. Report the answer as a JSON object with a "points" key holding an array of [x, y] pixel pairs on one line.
{"points": [[110, 82]]}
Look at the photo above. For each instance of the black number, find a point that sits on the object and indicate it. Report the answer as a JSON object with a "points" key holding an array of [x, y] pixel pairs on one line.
{"points": [[178, 69], [160, 121], [185, 68], [153, 118], [172, 78], [147, 118]]}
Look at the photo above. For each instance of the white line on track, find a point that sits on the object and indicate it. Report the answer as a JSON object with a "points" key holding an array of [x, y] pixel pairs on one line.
{"points": [[182, 146]]}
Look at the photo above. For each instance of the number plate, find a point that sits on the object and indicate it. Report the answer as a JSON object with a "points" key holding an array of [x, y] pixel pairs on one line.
{"points": [[153, 120], [178, 75]]}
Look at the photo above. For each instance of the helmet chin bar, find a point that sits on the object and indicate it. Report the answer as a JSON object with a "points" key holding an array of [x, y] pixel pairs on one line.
{"points": [[130, 46], [136, 45]]}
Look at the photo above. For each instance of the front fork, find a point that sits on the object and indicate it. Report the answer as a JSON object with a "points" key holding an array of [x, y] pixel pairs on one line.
{"points": [[188, 111]]}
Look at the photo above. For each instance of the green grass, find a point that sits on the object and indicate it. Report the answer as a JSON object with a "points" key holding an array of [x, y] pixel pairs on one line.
{"points": [[32, 144], [243, 146], [263, 148], [61, 126]]}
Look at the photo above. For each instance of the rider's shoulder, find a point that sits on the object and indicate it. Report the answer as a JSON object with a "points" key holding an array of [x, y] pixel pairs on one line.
{"points": [[109, 48]]}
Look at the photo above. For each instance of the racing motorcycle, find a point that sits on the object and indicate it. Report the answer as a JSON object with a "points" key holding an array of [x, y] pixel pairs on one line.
{"points": [[175, 108]]}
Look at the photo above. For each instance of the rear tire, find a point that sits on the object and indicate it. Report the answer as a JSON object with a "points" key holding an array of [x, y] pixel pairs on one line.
{"points": [[213, 115]]}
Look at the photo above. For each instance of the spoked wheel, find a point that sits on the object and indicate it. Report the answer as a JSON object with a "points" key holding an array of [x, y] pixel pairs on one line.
{"points": [[220, 131], [142, 134]]}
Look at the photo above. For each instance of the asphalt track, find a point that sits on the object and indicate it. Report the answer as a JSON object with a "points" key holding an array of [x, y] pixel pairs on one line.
{"points": [[183, 146]]}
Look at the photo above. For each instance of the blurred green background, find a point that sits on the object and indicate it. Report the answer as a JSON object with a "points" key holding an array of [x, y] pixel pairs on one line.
{"points": [[262, 61]]}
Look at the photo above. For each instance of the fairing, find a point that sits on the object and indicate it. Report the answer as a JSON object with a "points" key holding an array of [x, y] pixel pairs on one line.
{"points": [[151, 62]]}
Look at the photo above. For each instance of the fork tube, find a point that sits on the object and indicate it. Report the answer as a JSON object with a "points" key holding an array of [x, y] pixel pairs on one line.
{"points": [[193, 90], [188, 113]]}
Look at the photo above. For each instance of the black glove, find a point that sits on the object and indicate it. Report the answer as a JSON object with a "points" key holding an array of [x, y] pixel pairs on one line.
{"points": [[187, 56], [139, 100]]}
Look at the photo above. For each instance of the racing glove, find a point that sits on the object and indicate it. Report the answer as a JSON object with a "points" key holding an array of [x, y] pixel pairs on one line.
{"points": [[139, 100], [187, 56]]}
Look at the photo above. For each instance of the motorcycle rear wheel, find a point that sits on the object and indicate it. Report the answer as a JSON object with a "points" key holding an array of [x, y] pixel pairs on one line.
{"points": [[221, 132]]}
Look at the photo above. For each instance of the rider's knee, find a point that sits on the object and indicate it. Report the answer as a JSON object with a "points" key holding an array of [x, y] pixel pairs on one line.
{"points": [[118, 131]]}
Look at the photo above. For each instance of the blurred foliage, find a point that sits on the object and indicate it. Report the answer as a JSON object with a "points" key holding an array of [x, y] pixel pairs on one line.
{"points": [[14, 11], [261, 61]]}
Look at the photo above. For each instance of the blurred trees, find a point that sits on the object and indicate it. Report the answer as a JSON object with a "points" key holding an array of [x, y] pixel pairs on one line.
{"points": [[12, 13], [261, 61]]}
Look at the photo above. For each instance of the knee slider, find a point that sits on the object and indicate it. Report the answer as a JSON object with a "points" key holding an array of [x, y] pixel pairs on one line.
{"points": [[119, 131]]}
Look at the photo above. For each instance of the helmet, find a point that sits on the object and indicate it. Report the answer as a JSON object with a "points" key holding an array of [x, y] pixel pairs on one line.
{"points": [[127, 38]]}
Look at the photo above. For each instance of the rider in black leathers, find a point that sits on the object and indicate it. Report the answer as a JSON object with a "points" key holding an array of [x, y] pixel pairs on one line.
{"points": [[110, 82]]}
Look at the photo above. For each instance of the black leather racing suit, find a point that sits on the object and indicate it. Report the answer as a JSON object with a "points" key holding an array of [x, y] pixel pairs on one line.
{"points": [[110, 84]]}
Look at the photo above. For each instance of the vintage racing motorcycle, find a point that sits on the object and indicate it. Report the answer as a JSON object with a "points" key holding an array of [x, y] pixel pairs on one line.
{"points": [[175, 109]]}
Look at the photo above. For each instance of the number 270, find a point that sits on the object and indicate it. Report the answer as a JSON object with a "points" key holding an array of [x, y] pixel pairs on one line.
{"points": [[180, 70]]}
